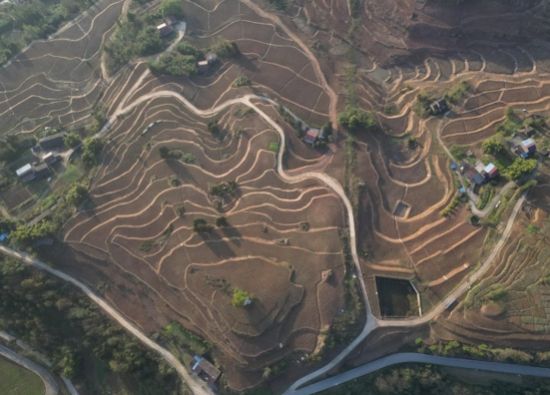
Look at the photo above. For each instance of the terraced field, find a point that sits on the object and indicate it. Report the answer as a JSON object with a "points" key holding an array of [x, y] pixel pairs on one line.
{"points": [[185, 153]]}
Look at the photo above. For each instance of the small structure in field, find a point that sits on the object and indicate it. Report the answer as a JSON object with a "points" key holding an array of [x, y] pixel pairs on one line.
{"points": [[312, 136], [205, 369], [209, 61], [52, 142], [439, 107]]}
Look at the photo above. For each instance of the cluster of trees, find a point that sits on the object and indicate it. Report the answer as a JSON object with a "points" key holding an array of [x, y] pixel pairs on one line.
{"points": [[171, 8], [224, 188], [520, 168], [413, 379], [26, 234], [91, 149], [77, 194], [55, 319], [12, 147], [354, 119], [167, 153], [72, 139], [34, 19], [494, 145], [176, 64], [458, 92], [136, 36]]}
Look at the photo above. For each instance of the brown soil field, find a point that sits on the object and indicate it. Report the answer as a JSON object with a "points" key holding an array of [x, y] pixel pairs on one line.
{"points": [[312, 59]]}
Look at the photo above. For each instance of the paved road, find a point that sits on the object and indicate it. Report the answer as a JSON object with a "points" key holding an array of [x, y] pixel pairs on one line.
{"points": [[395, 359], [197, 386], [50, 384]]}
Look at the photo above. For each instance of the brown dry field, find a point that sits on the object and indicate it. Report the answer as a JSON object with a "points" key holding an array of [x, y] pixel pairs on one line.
{"points": [[158, 270]]}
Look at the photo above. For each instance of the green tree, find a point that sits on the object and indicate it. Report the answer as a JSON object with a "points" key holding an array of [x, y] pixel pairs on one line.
{"points": [[72, 139], [353, 119], [91, 149], [172, 8], [520, 168], [493, 146], [77, 194], [200, 225], [240, 298]]}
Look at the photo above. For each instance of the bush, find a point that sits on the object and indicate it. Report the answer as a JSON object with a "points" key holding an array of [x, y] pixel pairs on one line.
{"points": [[175, 64], [77, 194], [201, 226], [240, 298], [91, 150], [171, 8], [520, 168], [25, 235], [494, 146], [72, 139], [353, 118]]}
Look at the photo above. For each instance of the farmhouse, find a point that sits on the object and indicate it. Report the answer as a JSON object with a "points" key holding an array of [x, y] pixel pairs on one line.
{"points": [[205, 369], [52, 142], [439, 107], [312, 136], [164, 29], [490, 171], [527, 148], [25, 173], [210, 60]]}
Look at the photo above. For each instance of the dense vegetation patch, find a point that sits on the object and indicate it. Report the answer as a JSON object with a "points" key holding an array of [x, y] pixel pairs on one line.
{"points": [[57, 320]]}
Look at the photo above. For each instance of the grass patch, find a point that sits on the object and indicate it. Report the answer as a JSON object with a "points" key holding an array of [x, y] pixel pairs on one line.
{"points": [[273, 146], [458, 92], [15, 380]]}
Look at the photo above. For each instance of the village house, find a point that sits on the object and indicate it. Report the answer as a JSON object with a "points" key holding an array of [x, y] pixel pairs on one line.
{"points": [[210, 60], [164, 29], [205, 369], [52, 142], [25, 173], [312, 136], [527, 148]]}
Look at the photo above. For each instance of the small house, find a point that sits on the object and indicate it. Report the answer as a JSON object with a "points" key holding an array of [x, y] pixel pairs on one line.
{"points": [[312, 136], [52, 142], [203, 66], [439, 107], [25, 173], [491, 171], [205, 369], [527, 148], [164, 29]]}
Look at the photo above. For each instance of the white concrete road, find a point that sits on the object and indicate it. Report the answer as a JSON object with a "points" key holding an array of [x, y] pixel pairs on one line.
{"points": [[400, 358]]}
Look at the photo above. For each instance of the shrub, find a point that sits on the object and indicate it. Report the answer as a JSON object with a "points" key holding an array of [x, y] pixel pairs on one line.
{"points": [[520, 168], [353, 118], [175, 64], [201, 226], [77, 194], [240, 298], [71, 140], [171, 8]]}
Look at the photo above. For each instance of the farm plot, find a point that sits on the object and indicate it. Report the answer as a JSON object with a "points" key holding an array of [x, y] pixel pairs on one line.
{"points": [[57, 80], [192, 211]]}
